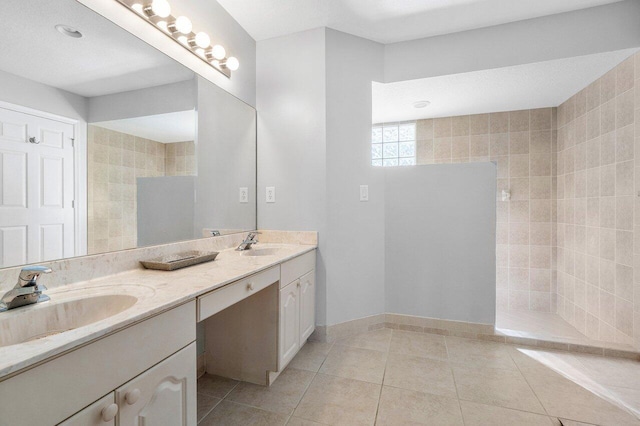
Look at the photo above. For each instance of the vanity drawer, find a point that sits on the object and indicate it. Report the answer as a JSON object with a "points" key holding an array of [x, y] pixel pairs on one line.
{"points": [[295, 268], [218, 300]]}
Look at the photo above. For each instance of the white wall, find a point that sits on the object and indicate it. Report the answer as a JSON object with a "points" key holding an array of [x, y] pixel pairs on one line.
{"points": [[181, 96], [440, 245], [594, 30], [208, 16], [291, 104], [355, 251]]}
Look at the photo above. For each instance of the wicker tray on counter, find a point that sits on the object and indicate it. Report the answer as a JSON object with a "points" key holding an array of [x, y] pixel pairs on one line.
{"points": [[179, 260]]}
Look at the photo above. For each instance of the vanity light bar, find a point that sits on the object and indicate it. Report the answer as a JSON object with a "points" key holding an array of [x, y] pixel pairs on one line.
{"points": [[180, 29]]}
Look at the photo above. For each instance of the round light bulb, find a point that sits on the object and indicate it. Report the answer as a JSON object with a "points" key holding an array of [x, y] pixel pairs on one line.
{"points": [[137, 7], [162, 25], [183, 25], [203, 40], [161, 8], [218, 52], [232, 63], [183, 40], [200, 52]]}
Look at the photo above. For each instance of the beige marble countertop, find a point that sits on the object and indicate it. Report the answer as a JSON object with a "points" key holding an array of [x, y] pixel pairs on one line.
{"points": [[156, 291]]}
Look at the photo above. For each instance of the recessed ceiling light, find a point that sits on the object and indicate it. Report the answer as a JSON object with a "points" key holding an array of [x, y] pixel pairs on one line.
{"points": [[421, 104], [68, 31]]}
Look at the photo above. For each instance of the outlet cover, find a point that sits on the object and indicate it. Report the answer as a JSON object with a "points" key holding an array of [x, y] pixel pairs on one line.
{"points": [[270, 194], [364, 192], [244, 194]]}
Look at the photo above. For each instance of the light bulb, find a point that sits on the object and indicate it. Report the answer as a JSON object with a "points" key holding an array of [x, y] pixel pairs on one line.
{"points": [[200, 52], [203, 40], [232, 63], [183, 40], [161, 8], [162, 25], [137, 7], [218, 52], [183, 25]]}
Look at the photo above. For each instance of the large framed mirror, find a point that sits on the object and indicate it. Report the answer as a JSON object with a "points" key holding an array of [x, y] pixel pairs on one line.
{"points": [[108, 144]]}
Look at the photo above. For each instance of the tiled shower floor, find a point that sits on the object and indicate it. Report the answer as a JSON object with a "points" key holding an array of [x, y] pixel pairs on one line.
{"points": [[392, 377], [546, 326]]}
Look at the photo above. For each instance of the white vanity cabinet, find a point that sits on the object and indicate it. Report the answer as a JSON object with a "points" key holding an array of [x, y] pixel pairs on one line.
{"points": [[103, 412], [297, 306], [163, 395], [66, 388]]}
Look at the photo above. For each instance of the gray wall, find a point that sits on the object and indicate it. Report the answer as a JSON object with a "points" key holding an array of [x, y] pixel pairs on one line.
{"points": [[165, 209], [163, 99], [226, 155], [582, 32], [355, 248], [440, 223], [291, 106]]}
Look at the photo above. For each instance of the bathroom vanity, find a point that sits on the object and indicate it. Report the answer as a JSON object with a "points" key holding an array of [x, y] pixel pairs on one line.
{"points": [[139, 364]]}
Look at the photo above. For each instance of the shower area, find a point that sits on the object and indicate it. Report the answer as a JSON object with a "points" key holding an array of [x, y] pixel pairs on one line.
{"points": [[566, 199]]}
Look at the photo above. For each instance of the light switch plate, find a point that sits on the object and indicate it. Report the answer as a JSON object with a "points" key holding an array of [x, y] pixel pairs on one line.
{"points": [[270, 194], [364, 192], [244, 194]]}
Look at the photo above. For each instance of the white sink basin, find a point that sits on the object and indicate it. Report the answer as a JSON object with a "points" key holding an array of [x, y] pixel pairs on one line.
{"points": [[270, 251], [45, 319]]}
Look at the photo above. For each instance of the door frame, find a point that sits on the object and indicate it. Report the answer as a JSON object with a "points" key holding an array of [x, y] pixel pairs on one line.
{"points": [[79, 170]]}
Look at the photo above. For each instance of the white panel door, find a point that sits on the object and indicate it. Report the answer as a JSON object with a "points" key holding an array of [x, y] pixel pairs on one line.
{"points": [[164, 395], [289, 323], [36, 188], [307, 305]]}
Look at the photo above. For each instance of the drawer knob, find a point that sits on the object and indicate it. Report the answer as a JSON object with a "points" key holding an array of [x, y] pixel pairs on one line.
{"points": [[132, 397], [250, 286], [109, 412]]}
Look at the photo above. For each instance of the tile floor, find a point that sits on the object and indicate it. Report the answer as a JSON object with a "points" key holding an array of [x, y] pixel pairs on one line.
{"points": [[392, 377], [545, 326]]}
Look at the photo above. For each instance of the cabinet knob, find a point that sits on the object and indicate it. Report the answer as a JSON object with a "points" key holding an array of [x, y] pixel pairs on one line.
{"points": [[250, 286], [109, 412], [132, 397]]}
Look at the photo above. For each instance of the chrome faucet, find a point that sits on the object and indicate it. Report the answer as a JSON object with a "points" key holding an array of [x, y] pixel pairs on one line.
{"points": [[246, 244], [27, 291]]}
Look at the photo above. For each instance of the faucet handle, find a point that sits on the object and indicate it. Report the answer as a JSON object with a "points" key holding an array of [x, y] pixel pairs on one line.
{"points": [[29, 275]]}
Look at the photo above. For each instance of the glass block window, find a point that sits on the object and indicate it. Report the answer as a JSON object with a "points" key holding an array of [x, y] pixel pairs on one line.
{"points": [[393, 145]]}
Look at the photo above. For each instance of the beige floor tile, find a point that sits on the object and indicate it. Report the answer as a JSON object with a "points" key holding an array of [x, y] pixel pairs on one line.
{"points": [[418, 344], [281, 397], [339, 401], [493, 386], [377, 340], [205, 404], [565, 399], [420, 374], [295, 421], [476, 353], [216, 386], [401, 407], [355, 363], [231, 414], [481, 415], [311, 356]]}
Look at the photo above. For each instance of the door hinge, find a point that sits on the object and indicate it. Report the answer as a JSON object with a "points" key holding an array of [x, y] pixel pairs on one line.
{"points": [[73, 142], [73, 204]]}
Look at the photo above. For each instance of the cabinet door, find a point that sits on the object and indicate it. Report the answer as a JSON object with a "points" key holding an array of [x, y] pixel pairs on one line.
{"points": [[100, 413], [289, 323], [164, 395], [307, 305]]}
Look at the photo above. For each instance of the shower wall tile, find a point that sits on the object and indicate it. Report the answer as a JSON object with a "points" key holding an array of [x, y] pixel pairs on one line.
{"points": [[599, 122]]}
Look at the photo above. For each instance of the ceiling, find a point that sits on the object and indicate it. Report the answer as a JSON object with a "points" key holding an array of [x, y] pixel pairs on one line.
{"points": [[538, 85], [106, 60], [389, 21], [166, 128]]}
